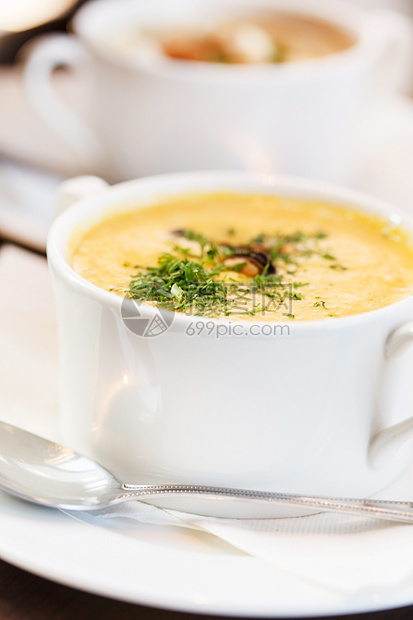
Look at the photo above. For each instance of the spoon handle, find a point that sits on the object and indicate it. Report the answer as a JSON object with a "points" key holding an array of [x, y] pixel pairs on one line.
{"points": [[379, 509]]}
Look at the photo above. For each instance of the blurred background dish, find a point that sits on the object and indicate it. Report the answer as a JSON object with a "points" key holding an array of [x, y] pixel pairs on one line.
{"points": [[153, 114]]}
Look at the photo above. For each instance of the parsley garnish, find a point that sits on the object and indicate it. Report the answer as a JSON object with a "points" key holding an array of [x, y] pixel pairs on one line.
{"points": [[203, 285]]}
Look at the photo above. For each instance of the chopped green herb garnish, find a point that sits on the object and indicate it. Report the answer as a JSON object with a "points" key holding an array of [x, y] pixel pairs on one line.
{"points": [[202, 284]]}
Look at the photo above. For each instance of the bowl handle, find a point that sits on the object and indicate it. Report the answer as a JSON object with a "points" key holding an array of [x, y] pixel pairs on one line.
{"points": [[48, 53], [72, 190], [385, 444]]}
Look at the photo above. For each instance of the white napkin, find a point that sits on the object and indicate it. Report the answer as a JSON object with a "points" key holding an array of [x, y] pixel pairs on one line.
{"points": [[28, 341], [343, 554], [346, 554]]}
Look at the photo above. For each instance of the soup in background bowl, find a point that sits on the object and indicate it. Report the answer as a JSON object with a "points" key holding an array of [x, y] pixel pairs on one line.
{"points": [[255, 38], [306, 406]]}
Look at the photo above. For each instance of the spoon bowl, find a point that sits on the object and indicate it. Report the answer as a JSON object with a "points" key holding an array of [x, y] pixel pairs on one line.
{"points": [[43, 472]]}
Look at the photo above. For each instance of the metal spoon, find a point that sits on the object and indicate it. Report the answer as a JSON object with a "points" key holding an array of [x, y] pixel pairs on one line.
{"points": [[43, 472]]}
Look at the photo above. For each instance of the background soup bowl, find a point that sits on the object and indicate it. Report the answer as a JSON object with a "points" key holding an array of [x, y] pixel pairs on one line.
{"points": [[151, 116], [312, 407]]}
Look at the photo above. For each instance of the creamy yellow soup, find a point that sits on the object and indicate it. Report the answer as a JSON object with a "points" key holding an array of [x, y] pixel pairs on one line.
{"points": [[253, 257]]}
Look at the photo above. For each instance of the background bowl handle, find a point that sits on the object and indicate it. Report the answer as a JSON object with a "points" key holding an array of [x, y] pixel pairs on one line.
{"points": [[385, 444], [48, 53]]}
